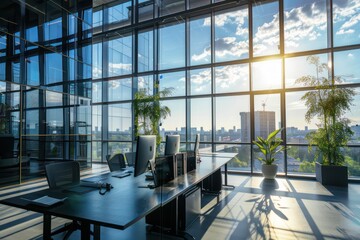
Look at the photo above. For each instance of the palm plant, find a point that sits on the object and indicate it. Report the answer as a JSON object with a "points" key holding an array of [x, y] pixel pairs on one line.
{"points": [[148, 112], [328, 102], [269, 147]]}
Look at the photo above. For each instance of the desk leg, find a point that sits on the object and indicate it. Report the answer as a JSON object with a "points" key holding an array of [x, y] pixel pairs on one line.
{"points": [[226, 180], [47, 227], [85, 231], [96, 232]]}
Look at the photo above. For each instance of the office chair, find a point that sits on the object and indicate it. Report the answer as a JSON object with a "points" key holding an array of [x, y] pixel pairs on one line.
{"points": [[130, 158], [116, 162], [59, 175]]}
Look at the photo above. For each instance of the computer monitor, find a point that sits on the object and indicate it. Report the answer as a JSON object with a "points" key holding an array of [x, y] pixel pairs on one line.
{"points": [[172, 144], [145, 151]]}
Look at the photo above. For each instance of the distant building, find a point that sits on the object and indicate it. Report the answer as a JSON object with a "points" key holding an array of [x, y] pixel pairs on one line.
{"points": [[264, 123]]}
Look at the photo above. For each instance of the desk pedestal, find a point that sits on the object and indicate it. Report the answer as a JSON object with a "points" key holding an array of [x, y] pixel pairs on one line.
{"points": [[177, 217]]}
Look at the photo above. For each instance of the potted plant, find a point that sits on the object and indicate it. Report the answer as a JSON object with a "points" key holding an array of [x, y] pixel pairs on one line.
{"points": [[269, 147], [148, 112], [328, 102]]}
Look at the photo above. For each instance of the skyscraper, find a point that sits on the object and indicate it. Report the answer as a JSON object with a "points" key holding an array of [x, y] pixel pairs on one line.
{"points": [[264, 123]]}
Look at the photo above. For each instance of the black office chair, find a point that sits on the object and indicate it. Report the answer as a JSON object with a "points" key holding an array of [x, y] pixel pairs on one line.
{"points": [[116, 162], [130, 158], [59, 175]]}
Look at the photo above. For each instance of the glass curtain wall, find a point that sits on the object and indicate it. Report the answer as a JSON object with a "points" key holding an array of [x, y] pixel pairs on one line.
{"points": [[233, 70], [45, 86]]}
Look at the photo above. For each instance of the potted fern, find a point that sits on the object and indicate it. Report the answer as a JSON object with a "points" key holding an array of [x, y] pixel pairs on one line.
{"points": [[328, 102], [269, 147]]}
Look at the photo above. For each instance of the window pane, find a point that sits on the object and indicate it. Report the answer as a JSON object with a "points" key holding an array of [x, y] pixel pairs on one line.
{"points": [[305, 25], [146, 83], [96, 92], [346, 22], [354, 116], [267, 114], [53, 30], [267, 118], [266, 75], [53, 99], [97, 61], [96, 122], [53, 68], [3, 45], [231, 35], [300, 160], [230, 124], [145, 10], [32, 122], [2, 71], [172, 46], [175, 123], [299, 66], [32, 70], [96, 151], [97, 19], [175, 80], [198, 3], [145, 51], [200, 81], [119, 90], [171, 6], [296, 126], [200, 45], [120, 122], [266, 39], [346, 65], [241, 162], [200, 110], [120, 56], [352, 160], [119, 14], [54, 121], [232, 78], [119, 147], [32, 36], [85, 62]]}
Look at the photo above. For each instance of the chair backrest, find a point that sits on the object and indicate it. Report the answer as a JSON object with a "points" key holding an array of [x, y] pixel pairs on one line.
{"points": [[7, 146], [130, 158], [116, 162], [62, 173]]}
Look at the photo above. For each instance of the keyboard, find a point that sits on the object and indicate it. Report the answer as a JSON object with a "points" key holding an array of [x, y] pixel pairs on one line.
{"points": [[121, 175]]}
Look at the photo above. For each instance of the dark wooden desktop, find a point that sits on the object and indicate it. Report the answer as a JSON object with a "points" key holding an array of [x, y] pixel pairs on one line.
{"points": [[123, 205]]}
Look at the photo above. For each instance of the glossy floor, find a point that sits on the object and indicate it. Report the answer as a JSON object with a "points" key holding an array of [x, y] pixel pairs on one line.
{"points": [[255, 209]]}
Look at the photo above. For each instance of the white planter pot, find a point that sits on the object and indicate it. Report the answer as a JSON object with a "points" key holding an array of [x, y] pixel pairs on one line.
{"points": [[269, 171]]}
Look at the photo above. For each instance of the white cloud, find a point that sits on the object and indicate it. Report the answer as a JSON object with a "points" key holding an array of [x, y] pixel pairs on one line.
{"points": [[229, 46], [206, 53], [350, 55], [305, 22], [239, 17], [342, 31], [115, 67], [232, 77], [201, 78], [347, 14], [351, 22]]}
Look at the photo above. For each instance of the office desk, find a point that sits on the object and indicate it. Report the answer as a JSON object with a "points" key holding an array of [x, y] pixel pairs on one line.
{"points": [[121, 207]]}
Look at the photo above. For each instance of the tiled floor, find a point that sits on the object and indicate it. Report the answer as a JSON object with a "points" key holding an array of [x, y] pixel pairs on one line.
{"points": [[255, 209]]}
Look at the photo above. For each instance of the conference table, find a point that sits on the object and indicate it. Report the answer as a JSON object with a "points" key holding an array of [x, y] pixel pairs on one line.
{"points": [[125, 204]]}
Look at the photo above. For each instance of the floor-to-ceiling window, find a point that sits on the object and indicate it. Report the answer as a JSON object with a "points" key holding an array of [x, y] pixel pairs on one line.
{"points": [[45, 86], [232, 68]]}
